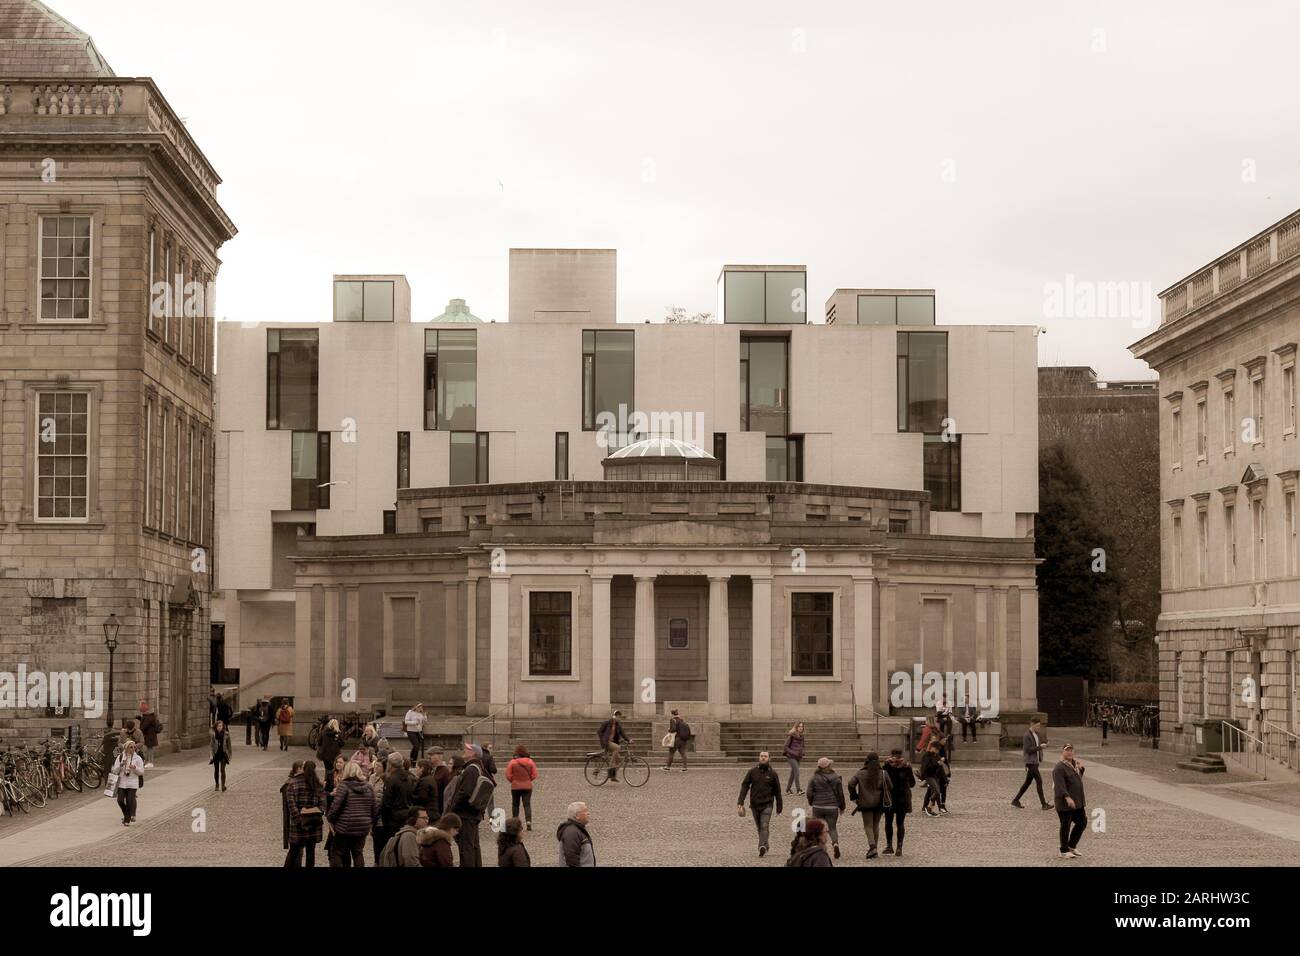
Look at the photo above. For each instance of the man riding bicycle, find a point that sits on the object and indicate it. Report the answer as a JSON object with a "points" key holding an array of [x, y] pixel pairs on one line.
{"points": [[611, 738]]}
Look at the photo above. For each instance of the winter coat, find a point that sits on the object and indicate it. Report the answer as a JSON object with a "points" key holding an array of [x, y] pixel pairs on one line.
{"points": [[305, 828], [1067, 780], [826, 790], [262, 712], [469, 814], [129, 772], [284, 721], [814, 855], [331, 745], [399, 789], [868, 797], [512, 852], [149, 728], [220, 751], [793, 747], [405, 844], [931, 766], [901, 782], [521, 772], [428, 791], [224, 712], [680, 730], [435, 847], [353, 811], [123, 737], [576, 848], [763, 787], [611, 731]]}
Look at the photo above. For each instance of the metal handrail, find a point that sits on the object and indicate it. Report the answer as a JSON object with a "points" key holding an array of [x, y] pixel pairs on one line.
{"points": [[469, 729], [1289, 744], [1245, 749]]}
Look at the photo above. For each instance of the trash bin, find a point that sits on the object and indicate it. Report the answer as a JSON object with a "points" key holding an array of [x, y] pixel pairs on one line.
{"points": [[1209, 736]]}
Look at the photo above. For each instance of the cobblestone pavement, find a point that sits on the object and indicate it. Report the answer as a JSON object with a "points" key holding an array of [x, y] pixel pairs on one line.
{"points": [[690, 819]]}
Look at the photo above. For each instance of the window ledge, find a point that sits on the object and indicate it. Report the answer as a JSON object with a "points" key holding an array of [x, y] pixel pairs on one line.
{"points": [[812, 680], [61, 526], [529, 677], [1201, 459], [63, 327]]}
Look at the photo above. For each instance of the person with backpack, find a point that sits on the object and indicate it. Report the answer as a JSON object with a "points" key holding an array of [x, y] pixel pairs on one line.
{"points": [[404, 847], [284, 725], [510, 845], [826, 797], [680, 732], [869, 789], [576, 848], [901, 781], [150, 728], [764, 788], [351, 816], [793, 753], [809, 847], [521, 772], [306, 798], [435, 842], [471, 797]]}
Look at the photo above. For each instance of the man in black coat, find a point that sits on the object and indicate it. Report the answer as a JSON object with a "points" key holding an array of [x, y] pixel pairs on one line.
{"points": [[1067, 778], [764, 788], [470, 816], [611, 740], [1031, 748]]}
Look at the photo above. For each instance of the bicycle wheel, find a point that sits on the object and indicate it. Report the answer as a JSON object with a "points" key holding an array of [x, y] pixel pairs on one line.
{"points": [[91, 775], [72, 777], [29, 793], [596, 770], [635, 771], [313, 737]]}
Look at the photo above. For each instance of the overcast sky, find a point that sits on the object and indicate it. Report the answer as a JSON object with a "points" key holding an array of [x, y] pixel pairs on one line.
{"points": [[928, 145]]}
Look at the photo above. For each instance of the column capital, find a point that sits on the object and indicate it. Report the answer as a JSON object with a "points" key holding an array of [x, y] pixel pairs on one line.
{"points": [[646, 578], [601, 576], [720, 578]]}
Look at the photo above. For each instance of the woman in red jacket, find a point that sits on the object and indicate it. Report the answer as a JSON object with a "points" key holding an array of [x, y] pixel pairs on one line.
{"points": [[521, 772]]}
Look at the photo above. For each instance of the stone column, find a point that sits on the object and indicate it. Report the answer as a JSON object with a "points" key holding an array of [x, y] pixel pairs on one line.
{"points": [[500, 647], [1029, 646], [600, 643], [888, 663], [643, 646], [719, 646], [1000, 646], [982, 630], [451, 631], [761, 634], [863, 691], [471, 638]]}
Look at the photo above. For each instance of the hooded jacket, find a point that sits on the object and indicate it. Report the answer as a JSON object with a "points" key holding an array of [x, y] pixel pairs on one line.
{"points": [[576, 848], [353, 811], [826, 790], [435, 847], [399, 790], [511, 851]]}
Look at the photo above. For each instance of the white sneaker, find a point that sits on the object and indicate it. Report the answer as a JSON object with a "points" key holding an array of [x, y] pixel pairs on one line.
{"points": [[1075, 852], [148, 766], [1067, 855]]}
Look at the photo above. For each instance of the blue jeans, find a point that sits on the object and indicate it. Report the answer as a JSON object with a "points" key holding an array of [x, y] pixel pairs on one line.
{"points": [[793, 783], [762, 818]]}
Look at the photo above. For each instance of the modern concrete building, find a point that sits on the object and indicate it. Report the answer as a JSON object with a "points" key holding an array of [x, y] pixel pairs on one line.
{"points": [[1229, 462], [106, 385], [482, 513]]}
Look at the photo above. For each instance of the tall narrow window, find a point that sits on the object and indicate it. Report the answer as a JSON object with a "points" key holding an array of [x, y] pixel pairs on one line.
{"points": [[403, 459], [203, 458], [469, 458], [151, 278], [561, 456], [785, 458], [720, 453], [1290, 533], [1229, 543], [66, 257], [812, 634], [63, 456], [169, 296], [922, 381], [310, 471], [1176, 553], [1257, 407], [1259, 521], [160, 500], [550, 634], [174, 502], [390, 522], [608, 383], [1178, 683], [1176, 438], [292, 369], [942, 468], [451, 379], [1288, 396], [1202, 442], [150, 461], [765, 385], [1202, 546], [1229, 420]]}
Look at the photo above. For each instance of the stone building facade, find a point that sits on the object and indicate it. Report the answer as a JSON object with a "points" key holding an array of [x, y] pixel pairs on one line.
{"points": [[106, 403], [1229, 630]]}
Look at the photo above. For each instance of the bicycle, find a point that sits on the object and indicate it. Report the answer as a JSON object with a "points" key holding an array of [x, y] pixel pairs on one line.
{"points": [[597, 768], [350, 726], [14, 795]]}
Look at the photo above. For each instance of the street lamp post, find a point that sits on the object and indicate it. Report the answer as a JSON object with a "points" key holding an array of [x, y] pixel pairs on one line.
{"points": [[111, 628]]}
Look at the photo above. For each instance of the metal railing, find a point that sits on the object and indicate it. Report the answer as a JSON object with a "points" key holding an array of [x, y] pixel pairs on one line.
{"points": [[1282, 745], [1244, 750], [469, 728]]}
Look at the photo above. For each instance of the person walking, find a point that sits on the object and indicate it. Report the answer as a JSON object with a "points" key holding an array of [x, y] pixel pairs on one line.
{"points": [[576, 848], [932, 774], [436, 842], [612, 739], [521, 773], [680, 732], [969, 718], [150, 727], [284, 725], [793, 753], [129, 767], [826, 797], [870, 790], [1031, 747], [510, 845], [929, 731], [221, 752], [264, 715], [285, 841], [1067, 780], [763, 786], [809, 847], [468, 801], [413, 724], [901, 781], [224, 713], [306, 798], [351, 817]]}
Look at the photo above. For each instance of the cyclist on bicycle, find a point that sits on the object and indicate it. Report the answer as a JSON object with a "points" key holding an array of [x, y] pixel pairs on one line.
{"points": [[611, 740]]}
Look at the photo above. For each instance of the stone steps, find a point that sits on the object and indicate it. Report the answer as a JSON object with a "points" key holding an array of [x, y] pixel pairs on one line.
{"points": [[1211, 763]]}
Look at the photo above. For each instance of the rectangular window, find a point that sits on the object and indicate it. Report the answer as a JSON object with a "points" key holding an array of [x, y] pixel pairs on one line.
{"points": [[1178, 678], [1257, 408], [194, 461], [65, 268], [1202, 546], [922, 381], [1229, 420], [363, 301], [451, 379], [1176, 439], [720, 453], [1229, 543], [880, 309], [160, 498], [762, 298], [150, 462], [898, 526], [550, 634], [292, 370], [403, 459], [1202, 439], [1290, 533], [311, 471], [784, 458], [942, 468], [202, 457], [169, 306], [469, 458], [812, 634], [608, 381], [678, 634], [561, 456], [1288, 396], [765, 385], [63, 456], [390, 522], [151, 278], [1176, 553], [1259, 527], [178, 493]]}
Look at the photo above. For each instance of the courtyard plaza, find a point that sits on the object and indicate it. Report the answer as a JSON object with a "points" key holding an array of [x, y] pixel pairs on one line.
{"points": [[1155, 815]]}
